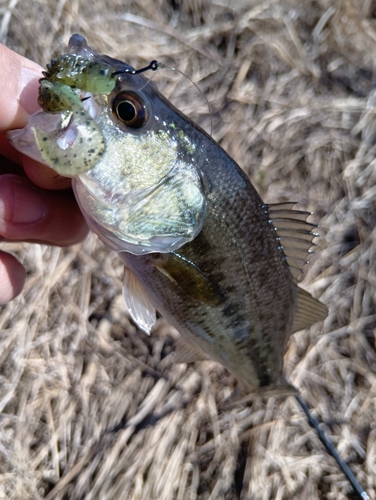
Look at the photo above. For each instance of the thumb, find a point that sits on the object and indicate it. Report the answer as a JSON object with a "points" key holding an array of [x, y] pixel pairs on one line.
{"points": [[19, 89]]}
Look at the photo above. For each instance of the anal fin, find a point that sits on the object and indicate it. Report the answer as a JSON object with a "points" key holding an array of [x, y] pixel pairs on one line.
{"points": [[138, 303], [308, 311], [188, 353]]}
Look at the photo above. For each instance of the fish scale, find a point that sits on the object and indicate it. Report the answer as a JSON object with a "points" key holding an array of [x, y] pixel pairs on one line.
{"points": [[243, 318]]}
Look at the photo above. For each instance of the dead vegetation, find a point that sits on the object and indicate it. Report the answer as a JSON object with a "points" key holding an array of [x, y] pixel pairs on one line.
{"points": [[92, 408]]}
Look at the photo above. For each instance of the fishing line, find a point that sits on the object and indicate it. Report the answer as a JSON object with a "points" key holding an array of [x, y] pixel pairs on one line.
{"points": [[330, 448], [164, 66]]}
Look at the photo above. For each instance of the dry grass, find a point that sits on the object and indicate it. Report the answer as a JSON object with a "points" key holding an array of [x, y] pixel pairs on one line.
{"points": [[90, 408]]}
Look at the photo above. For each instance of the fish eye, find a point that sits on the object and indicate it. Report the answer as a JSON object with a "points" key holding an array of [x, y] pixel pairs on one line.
{"points": [[130, 109]]}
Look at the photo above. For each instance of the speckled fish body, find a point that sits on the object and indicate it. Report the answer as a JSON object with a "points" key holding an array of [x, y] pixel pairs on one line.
{"points": [[198, 243]]}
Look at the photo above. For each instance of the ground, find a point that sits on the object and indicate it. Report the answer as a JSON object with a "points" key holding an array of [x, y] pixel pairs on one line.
{"points": [[92, 408]]}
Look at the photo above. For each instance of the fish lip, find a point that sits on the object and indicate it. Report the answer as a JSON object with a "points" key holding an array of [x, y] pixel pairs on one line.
{"points": [[24, 140], [78, 45]]}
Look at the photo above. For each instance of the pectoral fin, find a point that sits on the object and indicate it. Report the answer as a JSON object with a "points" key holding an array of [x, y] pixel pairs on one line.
{"points": [[308, 311], [189, 278], [138, 303]]}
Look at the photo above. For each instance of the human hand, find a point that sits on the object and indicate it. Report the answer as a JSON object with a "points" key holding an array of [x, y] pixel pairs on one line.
{"points": [[35, 203]]}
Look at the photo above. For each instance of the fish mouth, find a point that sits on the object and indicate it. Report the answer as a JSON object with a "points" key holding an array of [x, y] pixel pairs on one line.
{"points": [[61, 127], [68, 135], [24, 139], [68, 129]]}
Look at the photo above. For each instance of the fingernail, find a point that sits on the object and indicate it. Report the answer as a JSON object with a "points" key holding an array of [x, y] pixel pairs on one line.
{"points": [[29, 206], [20, 203]]}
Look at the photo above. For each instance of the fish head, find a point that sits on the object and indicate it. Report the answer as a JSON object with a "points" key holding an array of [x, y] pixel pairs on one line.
{"points": [[133, 157]]}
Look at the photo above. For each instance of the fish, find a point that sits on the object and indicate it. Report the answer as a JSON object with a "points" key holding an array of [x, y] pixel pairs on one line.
{"points": [[198, 243]]}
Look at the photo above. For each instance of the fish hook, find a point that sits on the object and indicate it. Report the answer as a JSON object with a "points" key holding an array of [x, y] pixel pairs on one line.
{"points": [[153, 66]]}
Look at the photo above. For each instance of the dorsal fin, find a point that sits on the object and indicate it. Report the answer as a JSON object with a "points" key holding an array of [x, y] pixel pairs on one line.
{"points": [[294, 234], [308, 311], [138, 303]]}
